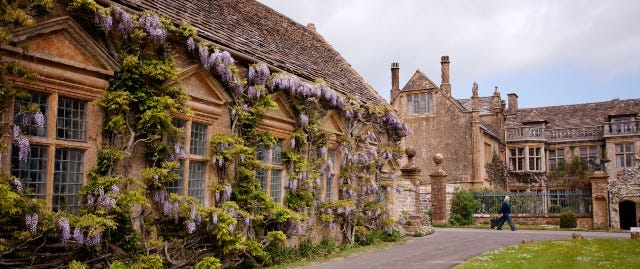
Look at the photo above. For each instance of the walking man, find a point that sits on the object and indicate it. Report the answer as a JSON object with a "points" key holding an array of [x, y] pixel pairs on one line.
{"points": [[506, 214]]}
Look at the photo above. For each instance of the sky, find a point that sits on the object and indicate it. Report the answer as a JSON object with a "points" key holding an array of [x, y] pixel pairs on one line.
{"points": [[548, 52]]}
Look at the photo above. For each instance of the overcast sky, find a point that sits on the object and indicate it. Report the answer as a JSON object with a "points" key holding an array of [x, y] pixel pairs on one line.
{"points": [[548, 52]]}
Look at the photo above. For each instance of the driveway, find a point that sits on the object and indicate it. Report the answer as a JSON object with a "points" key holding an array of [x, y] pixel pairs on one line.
{"points": [[447, 248]]}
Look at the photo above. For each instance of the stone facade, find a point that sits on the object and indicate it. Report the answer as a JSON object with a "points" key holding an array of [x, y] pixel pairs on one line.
{"points": [[530, 141]]}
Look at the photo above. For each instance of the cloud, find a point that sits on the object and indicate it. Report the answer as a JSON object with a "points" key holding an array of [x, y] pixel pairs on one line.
{"points": [[486, 40]]}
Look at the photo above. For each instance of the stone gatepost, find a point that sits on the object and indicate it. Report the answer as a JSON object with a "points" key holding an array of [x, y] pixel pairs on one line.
{"points": [[438, 192], [600, 199]]}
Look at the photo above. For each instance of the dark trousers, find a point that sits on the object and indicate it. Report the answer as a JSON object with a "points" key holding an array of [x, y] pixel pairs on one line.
{"points": [[507, 218]]}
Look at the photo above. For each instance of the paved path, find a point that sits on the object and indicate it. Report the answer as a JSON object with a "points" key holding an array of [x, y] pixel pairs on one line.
{"points": [[447, 248]]}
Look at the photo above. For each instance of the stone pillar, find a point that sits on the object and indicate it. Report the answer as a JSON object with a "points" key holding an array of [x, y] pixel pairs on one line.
{"points": [[438, 191], [411, 173], [600, 199]]}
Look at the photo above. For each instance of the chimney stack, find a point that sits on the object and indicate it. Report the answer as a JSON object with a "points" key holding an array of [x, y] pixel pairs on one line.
{"points": [[395, 81], [512, 98], [445, 85]]}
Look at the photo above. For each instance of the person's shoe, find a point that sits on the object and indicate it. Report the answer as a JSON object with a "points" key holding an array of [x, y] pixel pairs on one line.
{"points": [[513, 229], [499, 229]]}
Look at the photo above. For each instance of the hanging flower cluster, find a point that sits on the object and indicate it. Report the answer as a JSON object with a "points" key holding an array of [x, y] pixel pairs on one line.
{"points": [[31, 220], [104, 200]]}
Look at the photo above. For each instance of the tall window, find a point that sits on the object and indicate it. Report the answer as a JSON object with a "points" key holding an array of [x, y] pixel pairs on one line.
{"points": [[270, 175], [328, 172], [192, 171], [556, 158], [419, 103], [624, 155], [535, 159], [588, 155], [516, 159], [53, 167]]}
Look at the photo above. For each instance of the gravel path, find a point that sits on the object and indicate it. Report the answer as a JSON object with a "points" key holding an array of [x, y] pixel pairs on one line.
{"points": [[447, 248]]}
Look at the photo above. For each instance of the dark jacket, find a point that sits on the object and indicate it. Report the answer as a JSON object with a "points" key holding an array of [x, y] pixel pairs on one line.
{"points": [[506, 208]]}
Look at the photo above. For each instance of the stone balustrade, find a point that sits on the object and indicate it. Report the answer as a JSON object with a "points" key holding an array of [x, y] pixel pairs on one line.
{"points": [[554, 134], [621, 128]]}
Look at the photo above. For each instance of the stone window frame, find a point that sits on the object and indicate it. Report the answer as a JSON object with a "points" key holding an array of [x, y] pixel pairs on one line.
{"points": [[328, 184], [424, 103], [52, 164], [624, 153], [517, 156], [272, 172], [589, 154], [556, 157], [534, 159], [187, 184]]}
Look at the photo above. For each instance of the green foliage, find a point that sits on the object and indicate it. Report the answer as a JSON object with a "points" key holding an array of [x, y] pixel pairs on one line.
{"points": [[153, 261], [462, 207], [208, 263], [555, 209], [306, 249], [497, 171], [573, 174], [77, 265], [365, 237], [568, 220]]}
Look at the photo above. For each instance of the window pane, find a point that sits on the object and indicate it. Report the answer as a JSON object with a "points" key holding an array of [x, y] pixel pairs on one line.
{"points": [[197, 172], [25, 120], [261, 174], [178, 123], [176, 186], [409, 104], [276, 177], [67, 179], [276, 153], [33, 172], [198, 139], [71, 123], [423, 103], [429, 103], [329, 188]]}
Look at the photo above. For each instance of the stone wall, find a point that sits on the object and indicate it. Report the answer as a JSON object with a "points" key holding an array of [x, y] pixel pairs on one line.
{"points": [[584, 221]]}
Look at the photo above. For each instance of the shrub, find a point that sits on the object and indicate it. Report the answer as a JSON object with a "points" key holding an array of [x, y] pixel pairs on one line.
{"points": [[208, 263], [462, 208], [568, 220], [555, 209]]}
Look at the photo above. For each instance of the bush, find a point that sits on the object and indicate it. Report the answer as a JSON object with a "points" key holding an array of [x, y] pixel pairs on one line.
{"points": [[462, 208], [568, 220], [555, 209]]}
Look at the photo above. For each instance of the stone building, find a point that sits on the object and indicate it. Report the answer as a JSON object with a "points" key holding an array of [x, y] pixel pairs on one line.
{"points": [[75, 65], [532, 142]]}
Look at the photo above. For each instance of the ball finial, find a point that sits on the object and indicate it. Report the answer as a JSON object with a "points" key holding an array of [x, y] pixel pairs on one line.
{"points": [[438, 158]]}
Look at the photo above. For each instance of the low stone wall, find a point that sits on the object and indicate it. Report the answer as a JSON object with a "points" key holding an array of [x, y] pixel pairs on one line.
{"points": [[584, 221]]}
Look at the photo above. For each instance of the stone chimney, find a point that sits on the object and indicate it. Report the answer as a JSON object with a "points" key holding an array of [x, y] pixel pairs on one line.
{"points": [[395, 81], [512, 98], [445, 84]]}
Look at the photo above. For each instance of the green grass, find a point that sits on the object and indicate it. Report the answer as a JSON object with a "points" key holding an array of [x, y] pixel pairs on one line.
{"points": [[589, 253]]}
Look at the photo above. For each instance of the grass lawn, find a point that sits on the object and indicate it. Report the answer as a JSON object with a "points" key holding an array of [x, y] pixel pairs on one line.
{"points": [[588, 253]]}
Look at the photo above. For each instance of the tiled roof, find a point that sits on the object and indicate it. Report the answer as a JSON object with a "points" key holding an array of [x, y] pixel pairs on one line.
{"points": [[580, 115], [486, 104], [256, 30], [419, 81]]}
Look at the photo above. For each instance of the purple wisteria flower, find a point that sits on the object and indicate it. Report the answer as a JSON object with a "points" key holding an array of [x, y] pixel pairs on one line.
{"points": [[65, 230], [304, 120], [231, 228], [31, 220], [191, 44], [93, 240], [227, 191], [24, 149], [154, 27], [126, 23], [104, 20], [38, 120], [214, 218], [18, 184], [191, 227], [78, 236]]}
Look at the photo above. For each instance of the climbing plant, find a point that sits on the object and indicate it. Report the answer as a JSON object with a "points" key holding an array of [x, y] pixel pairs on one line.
{"points": [[130, 218]]}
